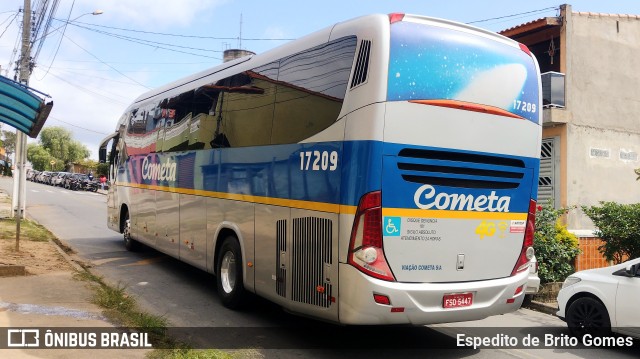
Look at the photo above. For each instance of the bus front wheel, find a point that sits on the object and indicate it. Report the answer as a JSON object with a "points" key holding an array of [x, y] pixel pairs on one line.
{"points": [[229, 274]]}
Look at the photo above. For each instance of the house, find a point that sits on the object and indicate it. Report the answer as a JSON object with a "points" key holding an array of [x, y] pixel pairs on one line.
{"points": [[590, 68]]}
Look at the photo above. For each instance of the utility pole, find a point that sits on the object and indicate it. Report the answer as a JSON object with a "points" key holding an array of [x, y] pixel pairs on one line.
{"points": [[19, 181]]}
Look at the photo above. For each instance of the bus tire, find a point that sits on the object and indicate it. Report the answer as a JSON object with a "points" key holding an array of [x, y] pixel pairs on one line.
{"points": [[229, 274], [129, 243]]}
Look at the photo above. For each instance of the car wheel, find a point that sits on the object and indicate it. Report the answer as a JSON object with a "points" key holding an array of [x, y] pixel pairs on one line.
{"points": [[229, 274], [588, 316], [129, 243]]}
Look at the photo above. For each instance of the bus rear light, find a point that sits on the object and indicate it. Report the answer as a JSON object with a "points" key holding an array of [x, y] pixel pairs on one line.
{"points": [[527, 252], [365, 247], [517, 292], [395, 17], [381, 299]]}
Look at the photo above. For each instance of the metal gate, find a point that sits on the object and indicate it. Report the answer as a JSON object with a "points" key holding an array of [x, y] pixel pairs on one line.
{"points": [[549, 172]]}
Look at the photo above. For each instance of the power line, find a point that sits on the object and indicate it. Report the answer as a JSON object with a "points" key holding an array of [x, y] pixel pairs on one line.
{"points": [[88, 90], [76, 72], [59, 42], [181, 35], [143, 63], [131, 71], [9, 24], [113, 68], [76, 126], [508, 16], [142, 41], [37, 38]]}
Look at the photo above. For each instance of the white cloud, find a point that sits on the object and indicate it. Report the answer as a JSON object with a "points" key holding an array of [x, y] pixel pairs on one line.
{"points": [[155, 13]]}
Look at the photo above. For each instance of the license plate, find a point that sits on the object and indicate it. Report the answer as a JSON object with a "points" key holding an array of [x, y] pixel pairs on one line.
{"points": [[457, 300]]}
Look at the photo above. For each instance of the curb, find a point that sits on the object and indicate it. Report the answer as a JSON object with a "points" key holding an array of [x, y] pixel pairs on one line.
{"points": [[12, 270], [542, 307], [66, 257]]}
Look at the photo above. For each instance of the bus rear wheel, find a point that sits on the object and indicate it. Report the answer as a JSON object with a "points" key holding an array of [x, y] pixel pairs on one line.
{"points": [[229, 274], [129, 243]]}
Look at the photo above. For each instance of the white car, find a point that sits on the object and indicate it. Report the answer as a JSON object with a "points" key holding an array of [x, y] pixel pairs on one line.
{"points": [[598, 301], [533, 282]]}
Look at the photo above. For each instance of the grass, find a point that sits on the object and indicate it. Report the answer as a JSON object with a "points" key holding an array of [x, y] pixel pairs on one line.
{"points": [[201, 354], [121, 309], [29, 230]]}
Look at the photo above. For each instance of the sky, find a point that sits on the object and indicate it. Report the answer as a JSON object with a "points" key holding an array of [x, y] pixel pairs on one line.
{"points": [[98, 64]]}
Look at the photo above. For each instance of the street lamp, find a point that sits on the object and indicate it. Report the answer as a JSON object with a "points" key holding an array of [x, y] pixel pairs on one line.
{"points": [[95, 12]]}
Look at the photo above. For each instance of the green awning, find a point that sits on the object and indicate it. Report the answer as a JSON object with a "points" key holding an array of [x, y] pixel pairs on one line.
{"points": [[21, 108]]}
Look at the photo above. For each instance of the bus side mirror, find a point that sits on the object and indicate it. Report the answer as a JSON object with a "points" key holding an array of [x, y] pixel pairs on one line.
{"points": [[102, 155]]}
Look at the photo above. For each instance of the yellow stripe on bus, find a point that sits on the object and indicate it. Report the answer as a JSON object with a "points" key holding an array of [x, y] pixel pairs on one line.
{"points": [[309, 205], [428, 213]]}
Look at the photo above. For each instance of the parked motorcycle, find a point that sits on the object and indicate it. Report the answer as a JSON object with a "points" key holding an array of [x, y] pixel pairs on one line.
{"points": [[90, 185], [81, 182]]}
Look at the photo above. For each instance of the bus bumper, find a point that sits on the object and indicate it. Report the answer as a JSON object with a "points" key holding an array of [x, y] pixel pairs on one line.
{"points": [[422, 303]]}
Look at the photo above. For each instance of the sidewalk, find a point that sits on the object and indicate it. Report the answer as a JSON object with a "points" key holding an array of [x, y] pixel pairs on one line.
{"points": [[50, 300]]}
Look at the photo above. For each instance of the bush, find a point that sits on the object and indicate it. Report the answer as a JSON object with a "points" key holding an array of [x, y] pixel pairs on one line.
{"points": [[618, 225], [555, 247]]}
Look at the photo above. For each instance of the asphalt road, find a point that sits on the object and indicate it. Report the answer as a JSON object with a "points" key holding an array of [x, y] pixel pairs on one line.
{"points": [[187, 298]]}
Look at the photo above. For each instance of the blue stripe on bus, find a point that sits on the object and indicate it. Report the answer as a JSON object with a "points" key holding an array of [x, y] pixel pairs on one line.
{"points": [[328, 172]]}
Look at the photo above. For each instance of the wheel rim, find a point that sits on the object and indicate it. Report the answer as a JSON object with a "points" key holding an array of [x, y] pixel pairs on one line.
{"points": [[127, 231], [228, 272], [586, 316]]}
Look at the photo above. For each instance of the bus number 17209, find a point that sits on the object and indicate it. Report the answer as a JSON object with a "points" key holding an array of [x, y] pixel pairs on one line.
{"points": [[318, 160]]}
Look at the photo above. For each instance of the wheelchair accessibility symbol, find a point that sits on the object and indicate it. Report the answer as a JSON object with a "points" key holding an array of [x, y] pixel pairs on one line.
{"points": [[392, 226]]}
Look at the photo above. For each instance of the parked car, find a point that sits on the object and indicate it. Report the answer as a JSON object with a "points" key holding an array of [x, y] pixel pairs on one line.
{"points": [[599, 301], [58, 179], [43, 177], [533, 282], [31, 175], [49, 180]]}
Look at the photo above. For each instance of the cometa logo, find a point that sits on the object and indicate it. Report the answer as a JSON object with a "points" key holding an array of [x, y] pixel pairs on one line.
{"points": [[159, 171], [426, 197]]}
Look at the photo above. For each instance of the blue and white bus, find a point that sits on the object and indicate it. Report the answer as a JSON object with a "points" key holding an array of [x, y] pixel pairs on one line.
{"points": [[380, 171]]}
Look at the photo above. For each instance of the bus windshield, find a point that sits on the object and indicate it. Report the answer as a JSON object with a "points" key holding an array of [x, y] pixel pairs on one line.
{"points": [[442, 64]]}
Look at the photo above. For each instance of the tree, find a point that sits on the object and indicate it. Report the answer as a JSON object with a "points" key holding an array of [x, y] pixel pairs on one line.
{"points": [[58, 142], [103, 169], [618, 225], [9, 141], [39, 157]]}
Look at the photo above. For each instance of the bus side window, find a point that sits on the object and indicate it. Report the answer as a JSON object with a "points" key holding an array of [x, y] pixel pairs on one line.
{"points": [[205, 122], [177, 112], [244, 113], [311, 89]]}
